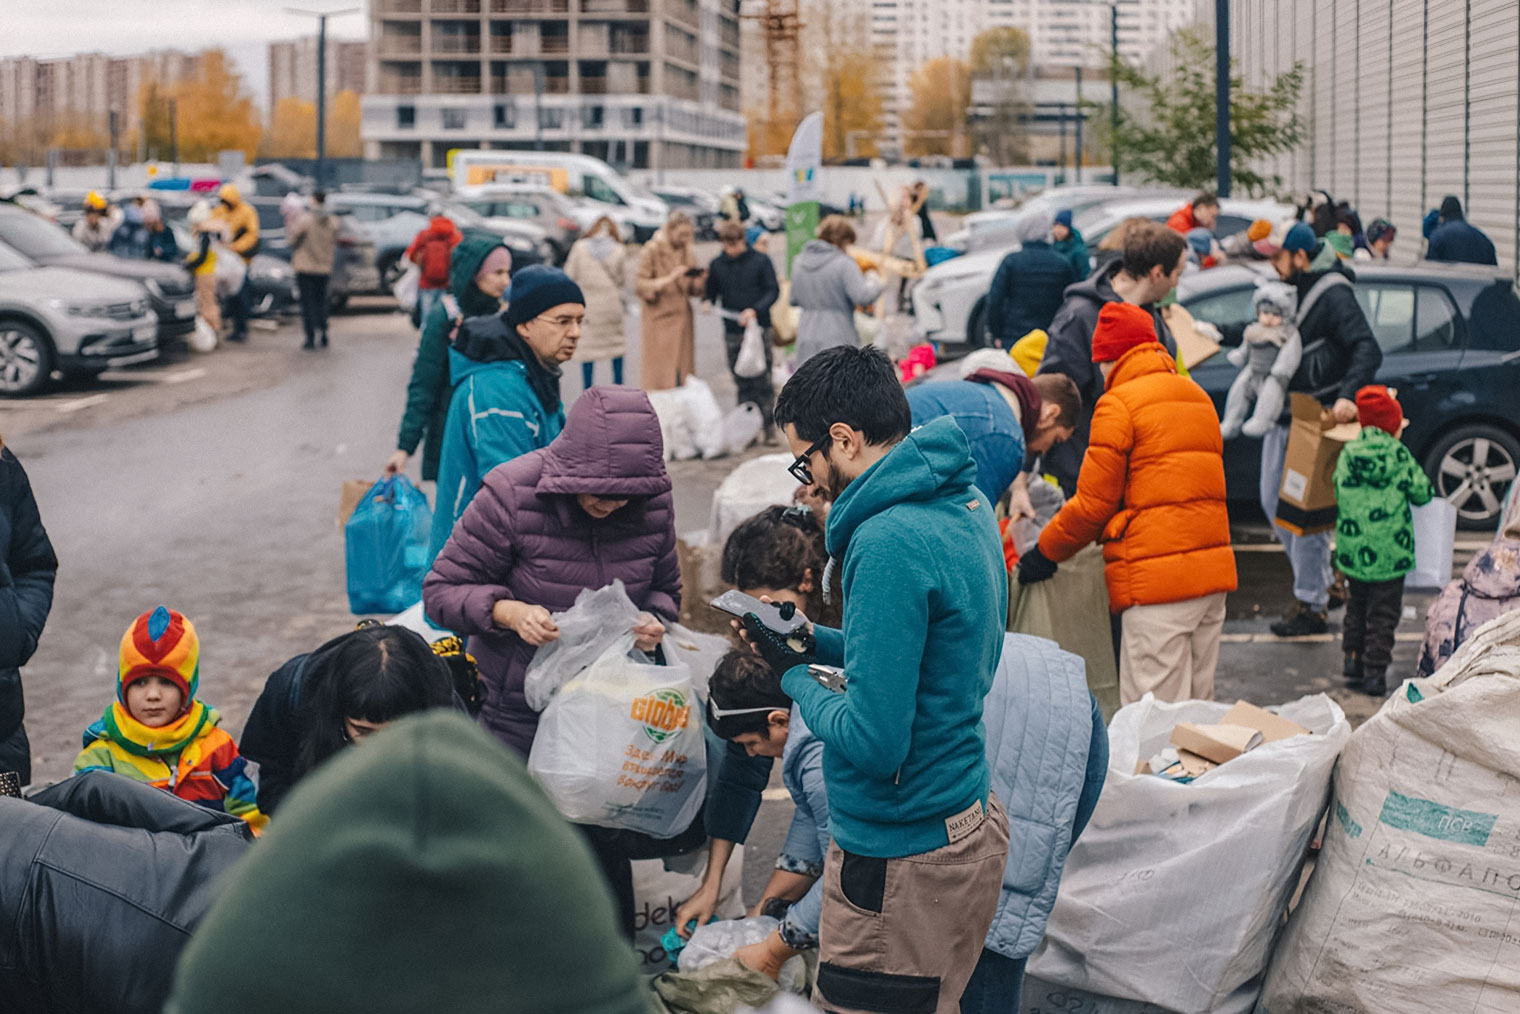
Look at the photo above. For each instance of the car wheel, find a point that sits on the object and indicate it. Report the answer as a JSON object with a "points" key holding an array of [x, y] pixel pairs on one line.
{"points": [[977, 335], [26, 358], [1474, 467]]}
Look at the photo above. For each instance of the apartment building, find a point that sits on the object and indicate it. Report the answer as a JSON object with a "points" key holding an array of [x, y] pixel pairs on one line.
{"points": [[643, 84], [80, 91], [293, 69]]}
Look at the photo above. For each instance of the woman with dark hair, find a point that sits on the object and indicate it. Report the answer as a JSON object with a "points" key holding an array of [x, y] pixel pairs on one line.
{"points": [[351, 687], [780, 554]]}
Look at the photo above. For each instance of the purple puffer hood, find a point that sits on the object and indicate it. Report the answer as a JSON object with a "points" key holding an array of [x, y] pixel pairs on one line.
{"points": [[610, 447]]}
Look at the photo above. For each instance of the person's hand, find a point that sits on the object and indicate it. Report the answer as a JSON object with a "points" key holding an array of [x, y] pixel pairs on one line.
{"points": [[743, 634], [814, 499], [780, 651], [699, 907], [674, 277], [647, 633], [532, 623], [396, 463], [1344, 410], [747, 318], [1019, 504], [1035, 566], [767, 956]]}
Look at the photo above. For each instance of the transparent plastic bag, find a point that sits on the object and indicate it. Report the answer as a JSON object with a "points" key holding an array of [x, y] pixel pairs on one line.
{"points": [[751, 359], [406, 288], [385, 545], [599, 619], [718, 940]]}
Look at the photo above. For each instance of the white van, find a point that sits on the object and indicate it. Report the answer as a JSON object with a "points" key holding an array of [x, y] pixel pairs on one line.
{"points": [[601, 188]]}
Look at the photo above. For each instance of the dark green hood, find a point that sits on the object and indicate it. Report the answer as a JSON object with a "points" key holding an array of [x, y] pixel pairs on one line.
{"points": [[463, 268], [423, 871]]}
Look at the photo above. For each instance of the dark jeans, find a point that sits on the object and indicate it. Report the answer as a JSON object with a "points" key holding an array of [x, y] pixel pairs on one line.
{"points": [[588, 374], [16, 754], [995, 985], [314, 307], [752, 389], [238, 308], [1372, 616]]}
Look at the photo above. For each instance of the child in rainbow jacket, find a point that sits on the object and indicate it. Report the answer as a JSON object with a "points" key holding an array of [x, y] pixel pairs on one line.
{"points": [[157, 732]]}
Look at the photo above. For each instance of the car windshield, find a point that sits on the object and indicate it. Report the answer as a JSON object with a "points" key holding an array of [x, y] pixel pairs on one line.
{"points": [[464, 216], [37, 238], [10, 260]]}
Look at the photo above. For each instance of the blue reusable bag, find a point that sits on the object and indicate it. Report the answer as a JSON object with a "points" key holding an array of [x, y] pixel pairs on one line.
{"points": [[387, 542]]}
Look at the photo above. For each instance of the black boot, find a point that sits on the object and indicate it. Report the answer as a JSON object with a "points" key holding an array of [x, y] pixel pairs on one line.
{"points": [[1373, 684], [1352, 670], [1303, 621]]}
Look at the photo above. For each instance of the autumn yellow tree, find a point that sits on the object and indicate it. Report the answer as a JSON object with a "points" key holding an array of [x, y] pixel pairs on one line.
{"points": [[213, 112], [1000, 62], [343, 139], [842, 74], [292, 130], [935, 124]]}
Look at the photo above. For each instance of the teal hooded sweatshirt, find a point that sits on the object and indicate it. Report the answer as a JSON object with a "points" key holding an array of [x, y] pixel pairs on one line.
{"points": [[925, 604]]}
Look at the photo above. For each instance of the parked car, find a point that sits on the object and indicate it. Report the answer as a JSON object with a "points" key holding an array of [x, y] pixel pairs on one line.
{"points": [[170, 287], [767, 214], [698, 205], [76, 322], [637, 212], [998, 227], [1450, 336], [355, 272], [559, 216], [950, 301]]}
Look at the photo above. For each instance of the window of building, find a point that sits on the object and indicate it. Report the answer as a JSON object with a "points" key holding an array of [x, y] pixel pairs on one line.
{"points": [[406, 116], [551, 118], [453, 119], [592, 117], [505, 117]]}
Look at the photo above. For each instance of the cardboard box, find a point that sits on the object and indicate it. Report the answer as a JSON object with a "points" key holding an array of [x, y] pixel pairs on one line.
{"points": [[1192, 348], [1272, 727], [1219, 743], [1306, 501], [348, 498]]}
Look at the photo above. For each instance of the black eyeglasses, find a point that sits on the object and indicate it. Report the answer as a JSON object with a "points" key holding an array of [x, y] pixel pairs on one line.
{"points": [[800, 469]]}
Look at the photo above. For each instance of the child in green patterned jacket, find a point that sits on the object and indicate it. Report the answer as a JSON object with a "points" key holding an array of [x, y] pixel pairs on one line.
{"points": [[1376, 479]]}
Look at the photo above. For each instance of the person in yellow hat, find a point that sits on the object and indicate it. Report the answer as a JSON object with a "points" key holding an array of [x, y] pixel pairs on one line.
{"points": [[240, 223], [99, 223]]}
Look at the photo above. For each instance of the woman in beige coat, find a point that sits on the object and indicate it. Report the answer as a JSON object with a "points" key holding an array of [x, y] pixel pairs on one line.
{"points": [[596, 264], [668, 278]]}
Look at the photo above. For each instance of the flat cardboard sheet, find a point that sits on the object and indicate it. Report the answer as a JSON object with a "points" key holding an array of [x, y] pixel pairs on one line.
{"points": [[1219, 743], [1272, 727], [1192, 347]]}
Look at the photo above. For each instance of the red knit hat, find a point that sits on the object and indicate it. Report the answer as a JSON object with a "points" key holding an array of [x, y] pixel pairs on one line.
{"points": [[1376, 406], [1121, 327]]}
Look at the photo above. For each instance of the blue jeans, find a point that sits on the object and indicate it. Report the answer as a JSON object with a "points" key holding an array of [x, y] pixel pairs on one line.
{"points": [[588, 376], [426, 300], [995, 985], [1308, 554]]}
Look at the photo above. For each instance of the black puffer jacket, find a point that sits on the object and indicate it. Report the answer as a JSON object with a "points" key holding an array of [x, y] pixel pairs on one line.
{"points": [[26, 586], [1341, 355], [102, 881]]}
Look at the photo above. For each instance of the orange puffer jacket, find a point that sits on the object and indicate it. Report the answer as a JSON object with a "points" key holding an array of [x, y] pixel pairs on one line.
{"points": [[1151, 488]]}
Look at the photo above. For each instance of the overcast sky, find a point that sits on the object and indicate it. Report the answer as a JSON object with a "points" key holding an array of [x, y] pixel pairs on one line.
{"points": [[45, 28]]}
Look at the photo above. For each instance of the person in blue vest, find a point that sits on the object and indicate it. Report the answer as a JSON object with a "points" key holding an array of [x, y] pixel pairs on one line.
{"points": [[506, 372], [1047, 750]]}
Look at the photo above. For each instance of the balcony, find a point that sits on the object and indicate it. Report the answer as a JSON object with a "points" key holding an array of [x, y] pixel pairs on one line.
{"points": [[400, 45], [530, 7], [683, 11], [501, 43], [554, 45], [400, 84], [456, 84], [465, 45], [556, 86], [628, 43], [456, 6], [398, 6], [593, 85], [614, 7]]}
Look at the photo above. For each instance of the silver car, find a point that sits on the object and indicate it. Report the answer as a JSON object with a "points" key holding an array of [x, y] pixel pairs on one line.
{"points": [[76, 322]]}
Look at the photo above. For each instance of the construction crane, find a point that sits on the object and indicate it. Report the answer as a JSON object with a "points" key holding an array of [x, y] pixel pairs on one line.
{"points": [[782, 24]]}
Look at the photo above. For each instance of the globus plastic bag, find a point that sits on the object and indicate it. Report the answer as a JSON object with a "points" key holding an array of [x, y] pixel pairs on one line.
{"points": [[1175, 892], [751, 359], [600, 618], [621, 745], [386, 542], [405, 289]]}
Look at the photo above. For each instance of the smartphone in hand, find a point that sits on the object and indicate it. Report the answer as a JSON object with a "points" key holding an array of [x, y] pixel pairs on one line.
{"points": [[783, 621]]}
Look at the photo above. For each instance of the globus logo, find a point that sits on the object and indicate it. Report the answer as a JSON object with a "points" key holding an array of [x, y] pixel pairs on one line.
{"points": [[663, 713]]}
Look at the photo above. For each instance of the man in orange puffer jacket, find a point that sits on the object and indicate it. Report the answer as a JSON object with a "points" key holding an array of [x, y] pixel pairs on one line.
{"points": [[1152, 491]]}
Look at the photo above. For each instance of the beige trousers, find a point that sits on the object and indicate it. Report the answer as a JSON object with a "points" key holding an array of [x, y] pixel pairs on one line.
{"points": [[1171, 650]]}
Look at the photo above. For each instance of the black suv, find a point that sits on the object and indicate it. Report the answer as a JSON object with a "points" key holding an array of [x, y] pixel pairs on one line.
{"points": [[169, 286], [1450, 336]]}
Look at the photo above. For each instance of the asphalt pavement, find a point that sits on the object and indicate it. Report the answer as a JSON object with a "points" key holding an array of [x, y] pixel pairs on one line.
{"points": [[211, 485]]}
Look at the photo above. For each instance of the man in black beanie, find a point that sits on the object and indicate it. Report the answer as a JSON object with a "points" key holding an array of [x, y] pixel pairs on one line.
{"points": [[506, 371]]}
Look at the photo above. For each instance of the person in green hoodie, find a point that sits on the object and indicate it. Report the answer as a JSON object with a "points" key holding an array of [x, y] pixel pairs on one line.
{"points": [[1376, 479], [912, 880], [478, 276], [423, 871]]}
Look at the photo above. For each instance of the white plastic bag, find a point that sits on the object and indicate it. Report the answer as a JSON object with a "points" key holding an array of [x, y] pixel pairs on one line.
{"points": [[675, 432], [414, 618], [406, 287], [742, 427], [704, 417], [600, 618], [751, 358], [658, 892], [204, 338], [700, 652], [1435, 538], [230, 271], [621, 746], [1411, 907], [746, 491], [1174, 893], [719, 940]]}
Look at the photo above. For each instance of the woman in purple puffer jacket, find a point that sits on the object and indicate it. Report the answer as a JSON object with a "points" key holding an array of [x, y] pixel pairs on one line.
{"points": [[592, 507]]}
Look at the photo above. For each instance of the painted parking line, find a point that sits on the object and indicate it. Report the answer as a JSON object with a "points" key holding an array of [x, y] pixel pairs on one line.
{"points": [[75, 404], [182, 376], [775, 795], [1306, 639]]}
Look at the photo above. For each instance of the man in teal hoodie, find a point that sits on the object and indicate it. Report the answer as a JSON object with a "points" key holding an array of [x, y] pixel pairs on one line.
{"points": [[913, 878], [506, 373]]}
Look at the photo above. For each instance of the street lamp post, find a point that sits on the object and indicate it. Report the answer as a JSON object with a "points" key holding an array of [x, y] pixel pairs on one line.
{"points": [[1222, 92], [322, 17], [1113, 92], [1081, 118]]}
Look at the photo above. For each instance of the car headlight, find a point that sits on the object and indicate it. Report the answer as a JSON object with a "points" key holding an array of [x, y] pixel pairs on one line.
{"points": [[140, 307], [152, 286], [277, 272]]}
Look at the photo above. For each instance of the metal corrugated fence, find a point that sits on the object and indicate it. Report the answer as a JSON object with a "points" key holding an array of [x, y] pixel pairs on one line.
{"points": [[1404, 102]]}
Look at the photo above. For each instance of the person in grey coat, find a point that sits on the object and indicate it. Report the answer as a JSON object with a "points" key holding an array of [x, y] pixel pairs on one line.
{"points": [[827, 285]]}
